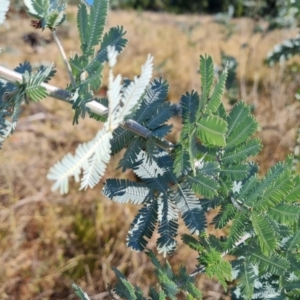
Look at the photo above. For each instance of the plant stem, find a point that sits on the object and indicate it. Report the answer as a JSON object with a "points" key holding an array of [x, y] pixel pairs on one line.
{"points": [[94, 107], [63, 54]]}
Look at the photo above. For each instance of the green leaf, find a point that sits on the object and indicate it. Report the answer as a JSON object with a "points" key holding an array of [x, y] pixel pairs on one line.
{"points": [[246, 280], [275, 264], [218, 267], [239, 113], [207, 75], [203, 185], [41, 7], [160, 116], [276, 191], [33, 82], [130, 156], [211, 130], [154, 96], [237, 228], [187, 283], [241, 133], [55, 19], [182, 161], [235, 172], [265, 234], [115, 37], [83, 25], [192, 242], [285, 214], [294, 242], [94, 77], [247, 189], [226, 214], [294, 193], [97, 20], [241, 153], [156, 295], [123, 288], [259, 188], [216, 96], [168, 225]]}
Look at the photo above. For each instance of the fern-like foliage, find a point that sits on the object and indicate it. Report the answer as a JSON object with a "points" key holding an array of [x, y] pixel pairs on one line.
{"points": [[169, 284], [50, 13], [210, 168], [12, 96], [93, 156]]}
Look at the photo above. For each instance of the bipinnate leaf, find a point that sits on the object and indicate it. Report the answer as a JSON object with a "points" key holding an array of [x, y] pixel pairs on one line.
{"points": [[154, 97], [123, 287], [83, 25], [154, 295], [285, 213], [265, 234], [294, 193], [189, 104], [187, 283], [150, 172], [190, 208], [33, 82], [203, 185], [124, 191], [93, 156], [87, 156], [274, 264], [211, 130], [235, 172], [168, 225], [142, 226], [217, 267], [294, 241], [216, 96], [237, 229], [207, 75], [181, 162], [239, 113], [242, 132], [224, 216], [246, 279], [241, 153], [276, 191], [115, 38], [134, 91], [96, 23]]}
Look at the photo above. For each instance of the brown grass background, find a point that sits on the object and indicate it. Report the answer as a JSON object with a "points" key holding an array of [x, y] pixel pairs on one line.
{"points": [[48, 241]]}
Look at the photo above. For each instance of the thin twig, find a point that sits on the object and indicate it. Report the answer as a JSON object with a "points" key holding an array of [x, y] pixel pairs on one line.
{"points": [[100, 296], [93, 105], [63, 54]]}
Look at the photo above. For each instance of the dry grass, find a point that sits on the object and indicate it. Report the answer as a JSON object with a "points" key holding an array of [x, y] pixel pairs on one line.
{"points": [[49, 241]]}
